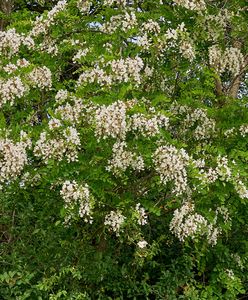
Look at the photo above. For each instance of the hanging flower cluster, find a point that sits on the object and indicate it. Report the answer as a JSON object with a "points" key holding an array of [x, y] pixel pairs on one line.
{"points": [[77, 201], [170, 164], [13, 157], [123, 159], [231, 60], [66, 145], [197, 5], [11, 89], [187, 223], [115, 220]]}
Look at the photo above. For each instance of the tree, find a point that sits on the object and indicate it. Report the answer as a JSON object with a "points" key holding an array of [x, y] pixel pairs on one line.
{"points": [[123, 150]]}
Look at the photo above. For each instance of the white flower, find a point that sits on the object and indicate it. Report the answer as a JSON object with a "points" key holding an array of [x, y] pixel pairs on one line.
{"points": [[41, 77], [142, 244], [76, 197], [13, 158], [122, 159], [197, 5], [170, 163], [114, 220], [186, 223], [142, 216], [11, 89], [111, 120]]}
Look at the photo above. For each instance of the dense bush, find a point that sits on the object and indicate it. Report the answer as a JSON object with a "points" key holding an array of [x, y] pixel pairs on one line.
{"points": [[123, 149]]}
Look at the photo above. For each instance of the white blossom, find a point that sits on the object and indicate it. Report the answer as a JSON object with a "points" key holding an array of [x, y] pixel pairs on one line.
{"points": [[77, 200], [171, 163], [81, 53], [114, 220], [142, 216], [197, 5], [11, 89], [146, 126], [123, 22], [84, 6], [142, 244], [41, 77], [241, 189], [61, 96], [13, 158], [186, 223], [111, 120], [231, 59], [243, 130], [65, 145], [123, 159], [42, 24], [21, 63]]}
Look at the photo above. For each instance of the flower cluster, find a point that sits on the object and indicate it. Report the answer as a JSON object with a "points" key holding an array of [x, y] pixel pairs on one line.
{"points": [[187, 223], [151, 26], [73, 112], [81, 53], [111, 2], [148, 127], [241, 189], [77, 201], [142, 244], [67, 145], [11, 41], [21, 63], [123, 22], [111, 120], [123, 159], [197, 5], [144, 42], [48, 45], [114, 220], [13, 158], [171, 163], [222, 171], [11, 89], [205, 126], [41, 77], [243, 130], [179, 38], [61, 96], [231, 60], [230, 273], [216, 24], [84, 6], [121, 70], [126, 69], [54, 123], [187, 50], [95, 75], [41, 24], [142, 216]]}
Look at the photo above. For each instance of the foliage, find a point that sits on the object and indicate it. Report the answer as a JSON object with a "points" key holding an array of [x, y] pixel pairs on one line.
{"points": [[123, 150]]}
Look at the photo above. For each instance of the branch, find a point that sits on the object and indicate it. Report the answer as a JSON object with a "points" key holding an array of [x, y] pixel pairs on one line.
{"points": [[235, 84]]}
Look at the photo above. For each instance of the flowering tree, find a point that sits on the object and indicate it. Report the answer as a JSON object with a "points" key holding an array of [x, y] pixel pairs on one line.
{"points": [[123, 150]]}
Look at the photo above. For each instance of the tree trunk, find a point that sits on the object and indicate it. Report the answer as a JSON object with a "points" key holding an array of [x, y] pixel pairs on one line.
{"points": [[6, 7], [234, 86]]}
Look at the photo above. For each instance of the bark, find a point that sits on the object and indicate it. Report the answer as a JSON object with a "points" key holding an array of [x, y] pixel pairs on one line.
{"points": [[218, 87], [6, 7], [235, 84]]}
